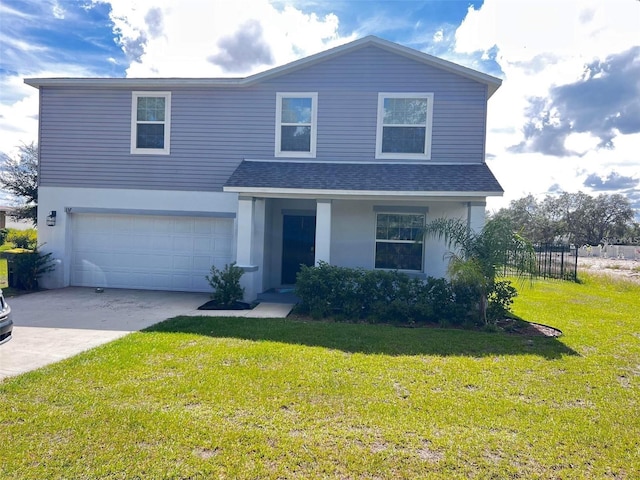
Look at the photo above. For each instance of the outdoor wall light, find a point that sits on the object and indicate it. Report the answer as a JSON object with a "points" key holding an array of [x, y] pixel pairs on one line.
{"points": [[51, 218]]}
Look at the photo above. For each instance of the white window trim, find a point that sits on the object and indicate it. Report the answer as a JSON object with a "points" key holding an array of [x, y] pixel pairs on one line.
{"points": [[167, 123], [428, 128], [375, 238], [314, 124]]}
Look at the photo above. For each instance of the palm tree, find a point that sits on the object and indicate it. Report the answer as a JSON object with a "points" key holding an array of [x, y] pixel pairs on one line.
{"points": [[476, 259]]}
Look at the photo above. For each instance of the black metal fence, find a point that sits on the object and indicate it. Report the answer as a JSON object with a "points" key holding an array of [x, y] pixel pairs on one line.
{"points": [[557, 261]]}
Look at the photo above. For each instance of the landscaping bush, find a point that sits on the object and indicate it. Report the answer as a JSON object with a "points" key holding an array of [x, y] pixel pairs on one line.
{"points": [[3, 235], [23, 238], [501, 299], [27, 267], [226, 284], [355, 294], [436, 301], [327, 290]]}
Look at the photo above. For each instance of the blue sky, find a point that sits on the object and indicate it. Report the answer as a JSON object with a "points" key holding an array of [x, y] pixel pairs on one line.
{"points": [[567, 117]]}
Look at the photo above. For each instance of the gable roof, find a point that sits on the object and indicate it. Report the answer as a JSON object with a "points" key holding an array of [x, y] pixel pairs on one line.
{"points": [[357, 179], [493, 83]]}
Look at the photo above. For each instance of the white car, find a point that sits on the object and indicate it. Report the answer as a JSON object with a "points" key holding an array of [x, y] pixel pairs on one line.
{"points": [[6, 324]]}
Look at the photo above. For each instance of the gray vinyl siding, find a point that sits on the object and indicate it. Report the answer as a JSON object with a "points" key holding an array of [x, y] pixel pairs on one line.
{"points": [[85, 133]]}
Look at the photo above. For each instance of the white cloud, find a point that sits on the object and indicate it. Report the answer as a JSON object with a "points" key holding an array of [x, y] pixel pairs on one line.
{"points": [[541, 44], [57, 10], [581, 143], [18, 118], [191, 33], [21, 45]]}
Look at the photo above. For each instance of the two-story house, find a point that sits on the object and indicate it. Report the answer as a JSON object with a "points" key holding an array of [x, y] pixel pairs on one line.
{"points": [[339, 157]]}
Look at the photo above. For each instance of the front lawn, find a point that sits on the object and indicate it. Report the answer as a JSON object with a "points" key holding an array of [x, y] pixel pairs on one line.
{"points": [[244, 398]]}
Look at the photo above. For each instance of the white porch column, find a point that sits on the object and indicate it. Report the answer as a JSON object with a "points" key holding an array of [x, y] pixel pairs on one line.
{"points": [[245, 231], [257, 250], [476, 215], [323, 231], [244, 247]]}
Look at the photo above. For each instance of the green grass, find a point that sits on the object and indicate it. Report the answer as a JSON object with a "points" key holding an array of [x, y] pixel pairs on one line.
{"points": [[244, 398]]}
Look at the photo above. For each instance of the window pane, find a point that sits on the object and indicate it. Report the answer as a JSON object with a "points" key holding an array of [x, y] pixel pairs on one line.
{"points": [[151, 109], [400, 256], [296, 110], [382, 227], [403, 139], [399, 227], [405, 111], [296, 139], [150, 136]]}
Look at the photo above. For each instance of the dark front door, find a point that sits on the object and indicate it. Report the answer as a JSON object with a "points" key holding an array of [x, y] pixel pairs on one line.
{"points": [[298, 245]]}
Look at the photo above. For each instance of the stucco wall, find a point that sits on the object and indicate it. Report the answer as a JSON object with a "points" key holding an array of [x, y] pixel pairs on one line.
{"points": [[57, 239]]}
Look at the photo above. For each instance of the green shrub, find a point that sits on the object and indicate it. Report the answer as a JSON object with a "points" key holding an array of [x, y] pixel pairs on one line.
{"points": [[436, 301], [501, 299], [3, 235], [356, 294], [23, 238], [27, 267], [321, 288], [371, 295], [226, 284], [466, 305], [392, 297]]}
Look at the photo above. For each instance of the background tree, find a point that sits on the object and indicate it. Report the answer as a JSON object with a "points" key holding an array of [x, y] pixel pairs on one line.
{"points": [[606, 218], [536, 221], [632, 234], [19, 176], [572, 217]]}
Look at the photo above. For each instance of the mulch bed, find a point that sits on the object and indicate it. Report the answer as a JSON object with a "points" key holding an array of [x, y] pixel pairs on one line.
{"points": [[213, 305], [520, 327]]}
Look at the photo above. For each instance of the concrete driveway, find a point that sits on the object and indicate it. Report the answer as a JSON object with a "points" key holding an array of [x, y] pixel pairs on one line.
{"points": [[52, 325]]}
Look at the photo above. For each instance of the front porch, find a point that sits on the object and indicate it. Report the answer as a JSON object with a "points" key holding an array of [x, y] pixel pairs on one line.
{"points": [[275, 236], [292, 213]]}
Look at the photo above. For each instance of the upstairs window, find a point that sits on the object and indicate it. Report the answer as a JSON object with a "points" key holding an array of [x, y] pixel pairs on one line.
{"points": [[296, 124], [399, 243], [404, 125], [150, 122]]}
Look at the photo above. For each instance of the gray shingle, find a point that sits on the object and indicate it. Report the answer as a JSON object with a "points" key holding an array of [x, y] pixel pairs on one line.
{"points": [[371, 177]]}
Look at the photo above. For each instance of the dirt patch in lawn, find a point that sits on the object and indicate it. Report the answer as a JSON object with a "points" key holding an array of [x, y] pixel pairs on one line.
{"points": [[617, 268]]}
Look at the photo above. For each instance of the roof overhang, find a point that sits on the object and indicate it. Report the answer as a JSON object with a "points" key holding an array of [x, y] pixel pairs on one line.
{"points": [[302, 193], [276, 178]]}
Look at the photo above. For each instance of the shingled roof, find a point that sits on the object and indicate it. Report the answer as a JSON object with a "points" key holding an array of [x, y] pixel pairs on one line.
{"points": [[282, 175]]}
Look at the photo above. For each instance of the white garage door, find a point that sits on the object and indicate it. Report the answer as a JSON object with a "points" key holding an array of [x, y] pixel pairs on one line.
{"points": [[148, 252]]}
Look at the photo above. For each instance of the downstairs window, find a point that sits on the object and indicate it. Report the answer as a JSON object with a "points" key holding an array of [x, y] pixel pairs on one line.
{"points": [[399, 241]]}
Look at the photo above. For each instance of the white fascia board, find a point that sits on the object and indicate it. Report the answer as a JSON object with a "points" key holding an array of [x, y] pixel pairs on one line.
{"points": [[133, 82], [353, 194]]}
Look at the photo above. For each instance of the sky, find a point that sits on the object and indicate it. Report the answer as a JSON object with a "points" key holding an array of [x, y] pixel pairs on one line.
{"points": [[566, 119]]}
